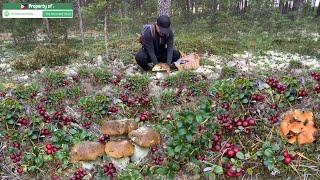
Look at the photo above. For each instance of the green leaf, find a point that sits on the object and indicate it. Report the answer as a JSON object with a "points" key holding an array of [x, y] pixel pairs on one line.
{"points": [[189, 138], [292, 98], [210, 175], [268, 152], [47, 158], [169, 126], [179, 124], [245, 101], [161, 171], [38, 161], [10, 122], [233, 161], [287, 94], [280, 158], [34, 136], [177, 149], [73, 131], [233, 106], [275, 147], [59, 155], [28, 156], [182, 131], [241, 95], [250, 171], [240, 155], [280, 105], [259, 153], [218, 169], [224, 160], [190, 118], [199, 118]]}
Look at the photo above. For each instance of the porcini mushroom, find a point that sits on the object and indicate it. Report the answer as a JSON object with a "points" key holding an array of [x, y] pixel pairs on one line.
{"points": [[119, 149], [118, 127], [119, 152], [86, 151], [144, 138]]}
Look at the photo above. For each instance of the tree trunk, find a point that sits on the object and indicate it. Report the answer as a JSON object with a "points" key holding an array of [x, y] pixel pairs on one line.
{"points": [[215, 5], [121, 23], [13, 34], [80, 21], [297, 4], [49, 33], [105, 31], [65, 38], [318, 11], [164, 7], [188, 9]]}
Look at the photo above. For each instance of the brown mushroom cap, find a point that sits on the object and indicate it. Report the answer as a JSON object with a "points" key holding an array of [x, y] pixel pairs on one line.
{"points": [[298, 126], [118, 127], [86, 151], [145, 137], [119, 149], [307, 136]]}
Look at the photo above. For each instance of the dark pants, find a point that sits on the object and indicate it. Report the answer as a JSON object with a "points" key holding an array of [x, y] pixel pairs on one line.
{"points": [[143, 58]]}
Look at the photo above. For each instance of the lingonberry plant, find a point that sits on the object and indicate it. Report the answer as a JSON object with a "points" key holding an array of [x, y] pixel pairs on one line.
{"points": [[95, 105], [232, 134]]}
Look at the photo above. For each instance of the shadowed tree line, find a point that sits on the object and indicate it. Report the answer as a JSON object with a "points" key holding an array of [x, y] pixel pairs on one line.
{"points": [[127, 16]]}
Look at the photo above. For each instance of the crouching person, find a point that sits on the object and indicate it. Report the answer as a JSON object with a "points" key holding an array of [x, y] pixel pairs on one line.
{"points": [[157, 45]]}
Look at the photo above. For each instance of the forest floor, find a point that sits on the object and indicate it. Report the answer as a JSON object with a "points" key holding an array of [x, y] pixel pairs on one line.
{"points": [[219, 121]]}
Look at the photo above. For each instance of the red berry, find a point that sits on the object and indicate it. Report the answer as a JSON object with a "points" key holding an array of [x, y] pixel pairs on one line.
{"points": [[48, 146], [285, 154], [217, 147], [49, 151], [19, 170], [287, 160], [251, 122], [143, 118], [273, 106], [236, 149], [200, 157], [216, 138], [227, 145], [231, 153], [154, 149]]}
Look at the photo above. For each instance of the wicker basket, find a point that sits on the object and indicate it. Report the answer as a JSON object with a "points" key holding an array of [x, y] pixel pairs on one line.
{"points": [[191, 61]]}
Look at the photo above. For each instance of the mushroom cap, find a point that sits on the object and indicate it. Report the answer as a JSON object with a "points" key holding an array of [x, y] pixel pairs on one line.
{"points": [[296, 127], [307, 136], [299, 125], [119, 149], [292, 140], [86, 151], [145, 137], [302, 116], [161, 67], [284, 129], [118, 127]]}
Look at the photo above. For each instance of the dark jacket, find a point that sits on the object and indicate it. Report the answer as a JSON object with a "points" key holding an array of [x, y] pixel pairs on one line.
{"points": [[158, 45]]}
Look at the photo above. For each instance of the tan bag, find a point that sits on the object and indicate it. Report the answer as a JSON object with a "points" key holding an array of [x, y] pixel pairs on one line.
{"points": [[191, 61]]}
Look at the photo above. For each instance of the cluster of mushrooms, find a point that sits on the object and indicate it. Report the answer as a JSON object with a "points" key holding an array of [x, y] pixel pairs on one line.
{"points": [[298, 126], [128, 142]]}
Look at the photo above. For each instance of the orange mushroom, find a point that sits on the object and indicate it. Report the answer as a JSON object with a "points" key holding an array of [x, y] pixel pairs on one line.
{"points": [[298, 126]]}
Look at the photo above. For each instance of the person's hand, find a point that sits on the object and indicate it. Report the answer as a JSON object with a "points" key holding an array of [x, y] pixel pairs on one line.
{"points": [[172, 66], [151, 65]]}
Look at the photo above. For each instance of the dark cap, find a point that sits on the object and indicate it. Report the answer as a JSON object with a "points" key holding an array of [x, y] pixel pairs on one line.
{"points": [[164, 24]]}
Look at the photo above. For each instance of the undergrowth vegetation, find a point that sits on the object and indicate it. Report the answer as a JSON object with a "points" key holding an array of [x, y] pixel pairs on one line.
{"points": [[210, 128]]}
